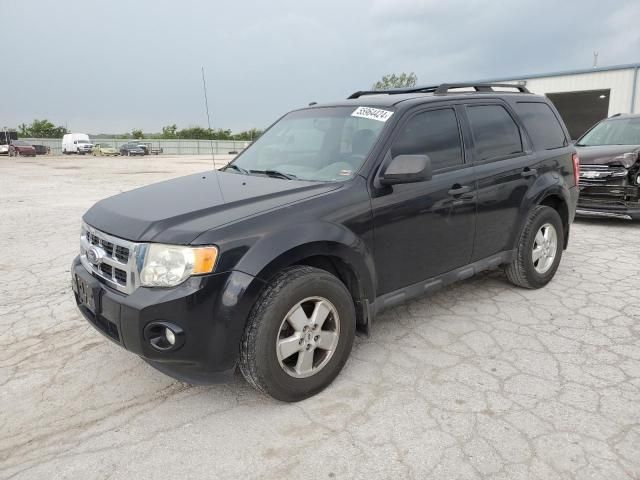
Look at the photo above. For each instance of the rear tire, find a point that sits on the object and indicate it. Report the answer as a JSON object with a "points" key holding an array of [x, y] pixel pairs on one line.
{"points": [[537, 254], [275, 365]]}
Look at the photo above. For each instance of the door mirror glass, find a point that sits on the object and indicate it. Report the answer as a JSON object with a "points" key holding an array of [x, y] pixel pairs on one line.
{"points": [[407, 169]]}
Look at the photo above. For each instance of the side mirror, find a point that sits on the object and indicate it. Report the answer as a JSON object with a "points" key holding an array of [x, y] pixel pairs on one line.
{"points": [[407, 169]]}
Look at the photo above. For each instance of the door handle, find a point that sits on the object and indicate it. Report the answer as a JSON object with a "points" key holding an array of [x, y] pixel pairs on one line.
{"points": [[528, 172], [459, 190]]}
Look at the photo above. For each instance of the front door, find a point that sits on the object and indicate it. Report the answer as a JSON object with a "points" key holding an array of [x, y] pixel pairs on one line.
{"points": [[425, 229]]}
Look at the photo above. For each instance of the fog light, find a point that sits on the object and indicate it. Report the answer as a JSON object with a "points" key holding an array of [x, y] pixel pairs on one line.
{"points": [[164, 336], [169, 335]]}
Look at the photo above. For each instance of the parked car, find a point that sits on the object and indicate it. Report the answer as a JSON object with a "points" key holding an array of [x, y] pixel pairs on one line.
{"points": [[131, 148], [76, 143], [21, 148], [335, 213], [42, 149], [104, 149], [610, 168]]}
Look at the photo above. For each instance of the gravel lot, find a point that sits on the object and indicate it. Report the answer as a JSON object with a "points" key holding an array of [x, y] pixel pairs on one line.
{"points": [[482, 380]]}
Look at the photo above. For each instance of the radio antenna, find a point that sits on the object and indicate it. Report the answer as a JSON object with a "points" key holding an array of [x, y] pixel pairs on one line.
{"points": [[213, 157]]}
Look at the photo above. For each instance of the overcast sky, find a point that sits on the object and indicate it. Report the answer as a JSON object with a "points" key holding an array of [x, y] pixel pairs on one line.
{"points": [[112, 66]]}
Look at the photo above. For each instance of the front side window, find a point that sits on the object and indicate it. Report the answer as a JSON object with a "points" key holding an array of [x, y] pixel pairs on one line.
{"points": [[495, 133], [317, 144], [616, 131], [434, 133]]}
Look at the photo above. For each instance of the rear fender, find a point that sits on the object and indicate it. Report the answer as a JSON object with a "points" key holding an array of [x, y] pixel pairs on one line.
{"points": [[546, 185]]}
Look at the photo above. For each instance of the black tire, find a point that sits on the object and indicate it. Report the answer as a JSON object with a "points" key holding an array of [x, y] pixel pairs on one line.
{"points": [[521, 271], [259, 362]]}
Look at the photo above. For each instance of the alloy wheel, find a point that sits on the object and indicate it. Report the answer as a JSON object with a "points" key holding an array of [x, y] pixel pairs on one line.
{"points": [[545, 246], [308, 337]]}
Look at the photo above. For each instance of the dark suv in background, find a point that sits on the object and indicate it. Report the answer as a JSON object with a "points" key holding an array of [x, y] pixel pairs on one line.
{"points": [[610, 168], [132, 148], [337, 212]]}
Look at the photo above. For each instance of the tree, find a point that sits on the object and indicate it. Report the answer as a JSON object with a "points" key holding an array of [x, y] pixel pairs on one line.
{"points": [[395, 81], [169, 131], [248, 135], [41, 129], [137, 134]]}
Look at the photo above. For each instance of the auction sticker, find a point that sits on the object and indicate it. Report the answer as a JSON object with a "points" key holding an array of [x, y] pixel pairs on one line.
{"points": [[372, 113]]}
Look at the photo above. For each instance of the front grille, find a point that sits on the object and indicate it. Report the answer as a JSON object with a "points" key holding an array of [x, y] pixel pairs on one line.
{"points": [[106, 269], [120, 276], [112, 259], [122, 254], [600, 174]]}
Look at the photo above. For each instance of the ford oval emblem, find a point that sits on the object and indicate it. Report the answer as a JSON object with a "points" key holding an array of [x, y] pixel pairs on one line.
{"points": [[95, 255]]}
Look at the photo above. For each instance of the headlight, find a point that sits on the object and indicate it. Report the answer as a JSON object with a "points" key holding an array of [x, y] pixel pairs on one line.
{"points": [[170, 265]]}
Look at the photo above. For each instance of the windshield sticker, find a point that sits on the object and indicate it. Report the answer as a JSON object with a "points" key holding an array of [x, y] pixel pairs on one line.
{"points": [[372, 113]]}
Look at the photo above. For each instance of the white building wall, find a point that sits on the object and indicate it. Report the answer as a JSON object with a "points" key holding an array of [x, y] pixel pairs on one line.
{"points": [[637, 102], [620, 82]]}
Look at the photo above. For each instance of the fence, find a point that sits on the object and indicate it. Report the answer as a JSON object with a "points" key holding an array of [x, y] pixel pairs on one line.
{"points": [[169, 147]]}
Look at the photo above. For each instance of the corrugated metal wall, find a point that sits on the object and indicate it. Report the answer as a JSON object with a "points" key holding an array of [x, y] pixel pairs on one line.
{"points": [[620, 82]]}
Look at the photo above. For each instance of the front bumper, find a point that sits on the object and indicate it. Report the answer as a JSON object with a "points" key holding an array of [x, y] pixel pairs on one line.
{"points": [[615, 201], [211, 310]]}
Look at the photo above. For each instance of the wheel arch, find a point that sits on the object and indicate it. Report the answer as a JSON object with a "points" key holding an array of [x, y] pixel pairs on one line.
{"points": [[329, 247], [560, 205], [548, 191]]}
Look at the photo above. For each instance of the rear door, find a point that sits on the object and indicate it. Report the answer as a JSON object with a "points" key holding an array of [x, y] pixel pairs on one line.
{"points": [[424, 229], [505, 169]]}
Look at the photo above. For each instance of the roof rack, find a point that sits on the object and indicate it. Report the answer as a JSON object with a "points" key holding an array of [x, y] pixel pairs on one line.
{"points": [[441, 89]]}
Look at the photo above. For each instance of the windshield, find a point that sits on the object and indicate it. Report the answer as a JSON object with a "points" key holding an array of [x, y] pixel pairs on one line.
{"points": [[623, 131], [83, 141], [318, 144]]}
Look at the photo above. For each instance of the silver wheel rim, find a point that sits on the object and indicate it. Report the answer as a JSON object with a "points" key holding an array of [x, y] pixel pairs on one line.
{"points": [[308, 337], [545, 246]]}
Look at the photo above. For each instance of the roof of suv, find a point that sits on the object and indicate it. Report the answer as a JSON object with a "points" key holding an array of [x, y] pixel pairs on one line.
{"points": [[412, 95]]}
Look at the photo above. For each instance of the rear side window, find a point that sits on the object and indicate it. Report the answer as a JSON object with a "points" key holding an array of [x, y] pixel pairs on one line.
{"points": [[495, 134], [434, 133], [541, 124]]}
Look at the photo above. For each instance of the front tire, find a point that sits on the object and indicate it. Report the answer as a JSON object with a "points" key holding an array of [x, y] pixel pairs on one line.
{"points": [[539, 249], [299, 334]]}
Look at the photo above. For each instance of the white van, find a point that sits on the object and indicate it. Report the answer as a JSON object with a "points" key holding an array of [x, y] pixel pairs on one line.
{"points": [[76, 143]]}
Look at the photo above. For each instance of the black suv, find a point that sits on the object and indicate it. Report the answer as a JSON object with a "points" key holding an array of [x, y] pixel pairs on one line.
{"points": [[337, 212]]}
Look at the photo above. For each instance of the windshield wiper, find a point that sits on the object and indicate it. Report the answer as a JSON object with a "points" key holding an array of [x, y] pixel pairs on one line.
{"points": [[237, 168], [275, 174]]}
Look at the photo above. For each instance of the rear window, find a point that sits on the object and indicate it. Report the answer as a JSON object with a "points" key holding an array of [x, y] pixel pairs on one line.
{"points": [[542, 125], [495, 134]]}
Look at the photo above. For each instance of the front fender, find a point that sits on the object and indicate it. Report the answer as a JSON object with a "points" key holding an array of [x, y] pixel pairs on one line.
{"points": [[287, 246]]}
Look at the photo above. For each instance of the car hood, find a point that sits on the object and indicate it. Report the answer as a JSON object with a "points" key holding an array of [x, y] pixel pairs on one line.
{"points": [[178, 210], [608, 155]]}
